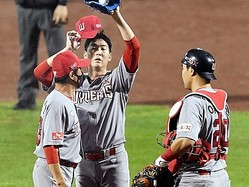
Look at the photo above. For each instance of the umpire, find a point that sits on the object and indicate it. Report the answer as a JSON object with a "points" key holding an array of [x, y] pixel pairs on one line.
{"points": [[34, 17]]}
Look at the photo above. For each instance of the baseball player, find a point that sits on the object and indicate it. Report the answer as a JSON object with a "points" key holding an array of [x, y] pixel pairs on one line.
{"points": [[58, 138], [101, 102], [201, 119]]}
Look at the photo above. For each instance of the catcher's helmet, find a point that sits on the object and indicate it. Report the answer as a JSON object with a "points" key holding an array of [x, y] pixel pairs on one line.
{"points": [[202, 62]]}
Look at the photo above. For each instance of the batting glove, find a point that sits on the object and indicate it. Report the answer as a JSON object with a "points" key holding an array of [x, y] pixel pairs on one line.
{"points": [[160, 162]]}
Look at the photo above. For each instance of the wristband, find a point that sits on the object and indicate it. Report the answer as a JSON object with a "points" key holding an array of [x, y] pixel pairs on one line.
{"points": [[51, 154], [169, 155], [160, 162]]}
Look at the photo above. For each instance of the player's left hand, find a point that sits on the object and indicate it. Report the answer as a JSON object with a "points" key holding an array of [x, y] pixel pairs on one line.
{"points": [[73, 40]]}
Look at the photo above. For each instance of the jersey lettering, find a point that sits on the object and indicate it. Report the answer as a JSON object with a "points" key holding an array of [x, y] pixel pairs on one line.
{"points": [[224, 134], [93, 95]]}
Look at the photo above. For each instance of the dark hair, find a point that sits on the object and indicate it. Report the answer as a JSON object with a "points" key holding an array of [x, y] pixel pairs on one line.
{"points": [[100, 35]]}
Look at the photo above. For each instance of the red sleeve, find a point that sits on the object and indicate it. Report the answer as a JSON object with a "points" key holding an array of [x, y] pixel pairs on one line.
{"points": [[43, 72], [51, 154], [131, 54]]}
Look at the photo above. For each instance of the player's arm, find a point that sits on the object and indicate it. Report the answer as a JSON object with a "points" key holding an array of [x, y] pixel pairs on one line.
{"points": [[43, 72], [177, 149], [51, 154], [57, 175], [131, 53]]}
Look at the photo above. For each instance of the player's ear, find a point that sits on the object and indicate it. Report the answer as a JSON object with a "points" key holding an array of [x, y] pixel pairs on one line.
{"points": [[71, 75], [192, 71], [85, 54], [110, 57]]}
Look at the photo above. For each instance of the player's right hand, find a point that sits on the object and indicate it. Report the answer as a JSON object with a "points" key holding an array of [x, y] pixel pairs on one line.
{"points": [[60, 14], [160, 162], [73, 40]]}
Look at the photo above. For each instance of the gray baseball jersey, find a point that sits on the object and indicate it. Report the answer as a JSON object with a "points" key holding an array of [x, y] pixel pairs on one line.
{"points": [[97, 101], [101, 107], [59, 126], [198, 118]]}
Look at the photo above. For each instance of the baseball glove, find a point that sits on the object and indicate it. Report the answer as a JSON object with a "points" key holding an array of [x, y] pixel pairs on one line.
{"points": [[153, 176], [103, 6]]}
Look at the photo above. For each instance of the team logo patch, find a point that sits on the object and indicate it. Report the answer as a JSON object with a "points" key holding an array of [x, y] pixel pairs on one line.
{"points": [[57, 135], [192, 61], [185, 127]]}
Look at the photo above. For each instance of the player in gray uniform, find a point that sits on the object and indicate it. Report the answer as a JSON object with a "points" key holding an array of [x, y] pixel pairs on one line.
{"points": [[58, 137], [202, 123], [101, 103]]}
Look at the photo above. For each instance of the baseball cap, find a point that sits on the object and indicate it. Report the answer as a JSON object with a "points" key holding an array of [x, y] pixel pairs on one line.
{"points": [[88, 26], [202, 62], [67, 61]]}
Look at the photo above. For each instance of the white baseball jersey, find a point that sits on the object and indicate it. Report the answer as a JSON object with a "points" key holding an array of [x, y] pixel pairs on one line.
{"points": [[59, 126], [97, 101]]}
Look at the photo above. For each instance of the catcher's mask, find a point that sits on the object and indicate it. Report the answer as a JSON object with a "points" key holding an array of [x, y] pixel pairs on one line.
{"points": [[166, 139], [202, 62]]}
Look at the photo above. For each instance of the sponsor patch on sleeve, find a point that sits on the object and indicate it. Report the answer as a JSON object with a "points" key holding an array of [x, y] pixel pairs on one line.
{"points": [[184, 127], [57, 135]]}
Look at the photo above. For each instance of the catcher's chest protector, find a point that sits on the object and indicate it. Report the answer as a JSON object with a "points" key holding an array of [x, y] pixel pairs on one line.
{"points": [[217, 99]]}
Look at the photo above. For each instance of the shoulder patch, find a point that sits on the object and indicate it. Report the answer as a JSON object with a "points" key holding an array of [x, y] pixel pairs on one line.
{"points": [[57, 135], [184, 127]]}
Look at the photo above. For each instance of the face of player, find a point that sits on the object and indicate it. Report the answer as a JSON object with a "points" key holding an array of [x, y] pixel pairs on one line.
{"points": [[186, 76], [99, 54]]}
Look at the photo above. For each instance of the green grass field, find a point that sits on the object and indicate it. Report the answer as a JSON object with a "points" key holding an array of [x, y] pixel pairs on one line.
{"points": [[144, 122]]}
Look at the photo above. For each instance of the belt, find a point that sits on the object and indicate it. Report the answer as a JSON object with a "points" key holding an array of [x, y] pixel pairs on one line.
{"points": [[204, 172], [97, 156], [68, 164]]}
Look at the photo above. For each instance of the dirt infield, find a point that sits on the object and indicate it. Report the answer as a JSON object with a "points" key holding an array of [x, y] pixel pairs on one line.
{"points": [[166, 30]]}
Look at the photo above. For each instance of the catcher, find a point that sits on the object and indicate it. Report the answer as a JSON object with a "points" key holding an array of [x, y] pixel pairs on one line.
{"points": [[198, 129]]}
